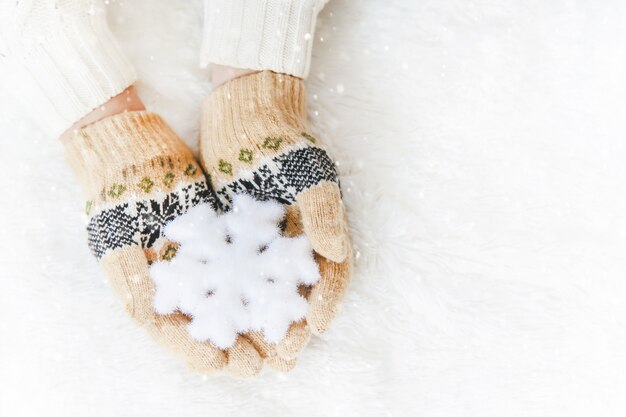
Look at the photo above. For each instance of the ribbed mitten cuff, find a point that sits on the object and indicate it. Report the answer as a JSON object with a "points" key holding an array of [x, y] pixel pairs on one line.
{"points": [[129, 152], [251, 118], [259, 104], [274, 35], [65, 61]]}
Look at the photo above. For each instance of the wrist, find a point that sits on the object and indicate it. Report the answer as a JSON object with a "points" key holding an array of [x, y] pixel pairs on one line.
{"points": [[221, 74], [127, 100]]}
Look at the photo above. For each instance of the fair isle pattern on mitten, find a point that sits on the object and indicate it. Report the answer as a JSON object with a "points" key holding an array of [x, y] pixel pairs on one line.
{"points": [[283, 177], [141, 222]]}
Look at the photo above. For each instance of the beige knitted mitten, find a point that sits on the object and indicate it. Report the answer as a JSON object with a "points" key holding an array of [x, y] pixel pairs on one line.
{"points": [[138, 175], [255, 140]]}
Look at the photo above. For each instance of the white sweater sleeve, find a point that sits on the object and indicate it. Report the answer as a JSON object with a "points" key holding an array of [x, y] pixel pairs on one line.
{"points": [[272, 35], [61, 59]]}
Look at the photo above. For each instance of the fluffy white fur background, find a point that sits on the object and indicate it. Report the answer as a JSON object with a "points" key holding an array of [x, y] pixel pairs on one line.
{"points": [[482, 148]]}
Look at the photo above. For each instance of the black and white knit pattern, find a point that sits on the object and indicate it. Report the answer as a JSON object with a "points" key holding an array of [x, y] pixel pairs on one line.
{"points": [[287, 176], [282, 180], [143, 224]]}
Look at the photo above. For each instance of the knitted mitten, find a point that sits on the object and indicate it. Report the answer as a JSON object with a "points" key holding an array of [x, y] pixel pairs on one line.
{"points": [[255, 140], [138, 175]]}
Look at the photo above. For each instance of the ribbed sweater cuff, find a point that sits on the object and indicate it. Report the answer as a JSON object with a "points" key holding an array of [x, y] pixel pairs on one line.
{"points": [[68, 71], [274, 35]]}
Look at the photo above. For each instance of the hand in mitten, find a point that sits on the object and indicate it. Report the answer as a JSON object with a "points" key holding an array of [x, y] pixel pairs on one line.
{"points": [[138, 176], [255, 141]]}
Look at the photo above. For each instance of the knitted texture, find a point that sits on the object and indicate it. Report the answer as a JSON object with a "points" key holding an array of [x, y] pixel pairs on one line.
{"points": [[64, 58], [255, 140], [138, 176], [272, 35]]}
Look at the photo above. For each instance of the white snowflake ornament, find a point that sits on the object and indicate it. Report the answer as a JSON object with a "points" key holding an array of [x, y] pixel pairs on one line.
{"points": [[234, 273]]}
